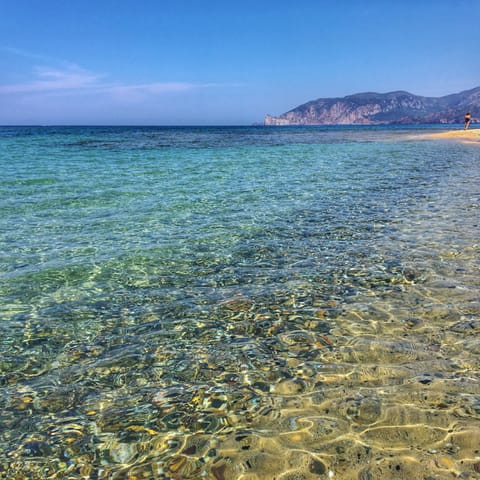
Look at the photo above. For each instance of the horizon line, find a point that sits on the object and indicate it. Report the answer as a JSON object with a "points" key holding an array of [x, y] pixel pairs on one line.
{"points": [[255, 124]]}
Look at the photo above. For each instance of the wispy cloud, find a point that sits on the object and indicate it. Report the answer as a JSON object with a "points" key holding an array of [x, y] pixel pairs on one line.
{"points": [[18, 52], [68, 78], [153, 88], [78, 80], [51, 79]]}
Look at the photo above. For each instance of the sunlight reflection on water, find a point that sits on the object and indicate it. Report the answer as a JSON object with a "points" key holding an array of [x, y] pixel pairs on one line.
{"points": [[238, 304]]}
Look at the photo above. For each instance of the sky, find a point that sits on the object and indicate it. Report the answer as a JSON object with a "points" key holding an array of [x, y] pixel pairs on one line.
{"points": [[223, 62]]}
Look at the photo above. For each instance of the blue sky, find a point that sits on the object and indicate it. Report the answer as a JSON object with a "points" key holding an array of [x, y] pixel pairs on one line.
{"points": [[186, 62]]}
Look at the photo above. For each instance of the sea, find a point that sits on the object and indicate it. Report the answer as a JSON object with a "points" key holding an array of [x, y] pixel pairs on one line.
{"points": [[239, 303]]}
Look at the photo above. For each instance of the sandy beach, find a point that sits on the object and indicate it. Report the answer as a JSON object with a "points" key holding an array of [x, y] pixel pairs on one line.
{"points": [[470, 135]]}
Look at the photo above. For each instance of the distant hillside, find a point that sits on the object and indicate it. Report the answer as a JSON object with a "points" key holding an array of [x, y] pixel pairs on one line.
{"points": [[382, 109]]}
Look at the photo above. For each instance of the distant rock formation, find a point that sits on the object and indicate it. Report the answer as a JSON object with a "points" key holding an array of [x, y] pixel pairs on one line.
{"points": [[382, 109]]}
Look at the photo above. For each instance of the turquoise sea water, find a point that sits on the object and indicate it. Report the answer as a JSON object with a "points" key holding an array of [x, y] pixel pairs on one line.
{"points": [[238, 303]]}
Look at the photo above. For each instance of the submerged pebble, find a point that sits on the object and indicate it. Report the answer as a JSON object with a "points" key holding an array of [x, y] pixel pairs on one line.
{"points": [[123, 452]]}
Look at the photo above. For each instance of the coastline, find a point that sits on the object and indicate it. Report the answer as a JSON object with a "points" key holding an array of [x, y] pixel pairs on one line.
{"points": [[464, 136]]}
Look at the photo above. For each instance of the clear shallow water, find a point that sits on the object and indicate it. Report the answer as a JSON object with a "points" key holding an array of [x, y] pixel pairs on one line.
{"points": [[238, 303]]}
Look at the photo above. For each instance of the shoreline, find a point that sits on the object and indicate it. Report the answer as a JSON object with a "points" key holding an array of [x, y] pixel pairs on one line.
{"points": [[464, 136]]}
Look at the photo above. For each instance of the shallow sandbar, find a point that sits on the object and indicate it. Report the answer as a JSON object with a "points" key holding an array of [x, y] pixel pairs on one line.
{"points": [[470, 135]]}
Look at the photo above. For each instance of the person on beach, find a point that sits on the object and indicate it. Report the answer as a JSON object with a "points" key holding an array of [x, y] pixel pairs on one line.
{"points": [[467, 120]]}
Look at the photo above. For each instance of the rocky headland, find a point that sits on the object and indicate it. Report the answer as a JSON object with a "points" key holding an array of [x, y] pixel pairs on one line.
{"points": [[382, 109]]}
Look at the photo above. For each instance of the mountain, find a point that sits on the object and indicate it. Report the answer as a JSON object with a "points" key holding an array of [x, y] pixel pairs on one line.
{"points": [[382, 109]]}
